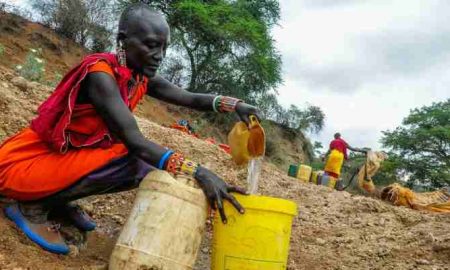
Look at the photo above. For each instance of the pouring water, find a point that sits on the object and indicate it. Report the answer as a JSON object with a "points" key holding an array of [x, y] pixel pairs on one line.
{"points": [[253, 172]]}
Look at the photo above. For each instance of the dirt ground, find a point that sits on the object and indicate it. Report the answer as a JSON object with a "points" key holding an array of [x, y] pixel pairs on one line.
{"points": [[333, 230]]}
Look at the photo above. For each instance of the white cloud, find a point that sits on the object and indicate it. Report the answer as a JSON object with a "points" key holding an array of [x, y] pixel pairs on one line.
{"points": [[365, 63]]}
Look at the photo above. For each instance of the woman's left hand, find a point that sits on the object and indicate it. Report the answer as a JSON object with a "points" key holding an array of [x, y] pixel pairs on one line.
{"points": [[244, 110]]}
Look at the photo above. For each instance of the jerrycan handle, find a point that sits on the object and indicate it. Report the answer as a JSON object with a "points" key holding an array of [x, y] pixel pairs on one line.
{"points": [[253, 121]]}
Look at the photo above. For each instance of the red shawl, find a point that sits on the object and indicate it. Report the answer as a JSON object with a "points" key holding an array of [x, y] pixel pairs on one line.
{"points": [[54, 115]]}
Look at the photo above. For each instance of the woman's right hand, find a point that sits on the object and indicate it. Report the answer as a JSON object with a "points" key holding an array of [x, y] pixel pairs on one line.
{"points": [[216, 190]]}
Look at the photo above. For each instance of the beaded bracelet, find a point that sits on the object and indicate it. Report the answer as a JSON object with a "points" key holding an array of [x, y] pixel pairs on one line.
{"points": [[178, 164], [225, 104], [215, 103]]}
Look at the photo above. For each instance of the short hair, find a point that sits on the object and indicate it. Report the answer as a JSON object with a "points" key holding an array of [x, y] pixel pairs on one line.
{"points": [[132, 11], [337, 135]]}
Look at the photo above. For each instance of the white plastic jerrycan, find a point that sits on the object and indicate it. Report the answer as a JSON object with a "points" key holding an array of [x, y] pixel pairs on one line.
{"points": [[165, 226]]}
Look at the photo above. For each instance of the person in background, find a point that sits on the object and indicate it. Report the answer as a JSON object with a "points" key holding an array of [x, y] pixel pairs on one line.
{"points": [[336, 154]]}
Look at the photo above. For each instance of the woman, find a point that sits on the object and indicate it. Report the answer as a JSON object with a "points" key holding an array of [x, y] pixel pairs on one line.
{"points": [[337, 153], [85, 140]]}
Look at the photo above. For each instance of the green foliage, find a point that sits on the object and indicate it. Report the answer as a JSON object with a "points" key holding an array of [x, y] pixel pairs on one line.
{"points": [[85, 22], [421, 146], [225, 45], [317, 164], [310, 119], [317, 148], [390, 172], [2, 49], [34, 67]]}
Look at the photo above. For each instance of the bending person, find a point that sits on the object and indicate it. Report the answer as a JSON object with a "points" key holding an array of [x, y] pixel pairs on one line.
{"points": [[336, 154], [85, 140]]}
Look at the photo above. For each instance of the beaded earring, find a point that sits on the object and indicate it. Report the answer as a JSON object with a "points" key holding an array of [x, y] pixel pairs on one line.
{"points": [[121, 55]]}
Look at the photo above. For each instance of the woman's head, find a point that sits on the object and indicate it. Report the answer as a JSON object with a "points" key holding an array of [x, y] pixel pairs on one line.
{"points": [[144, 35]]}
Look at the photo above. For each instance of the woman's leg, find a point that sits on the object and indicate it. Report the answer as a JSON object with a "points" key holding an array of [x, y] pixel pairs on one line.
{"points": [[32, 216]]}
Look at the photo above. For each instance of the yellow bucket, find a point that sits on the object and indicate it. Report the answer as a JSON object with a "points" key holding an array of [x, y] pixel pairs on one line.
{"points": [[257, 240], [304, 173]]}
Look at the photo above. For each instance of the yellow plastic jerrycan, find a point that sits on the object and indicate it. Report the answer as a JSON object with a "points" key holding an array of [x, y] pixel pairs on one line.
{"points": [[304, 173], [247, 142], [256, 240]]}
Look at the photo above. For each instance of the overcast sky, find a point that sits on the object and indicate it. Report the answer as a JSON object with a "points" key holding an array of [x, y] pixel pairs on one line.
{"points": [[365, 63]]}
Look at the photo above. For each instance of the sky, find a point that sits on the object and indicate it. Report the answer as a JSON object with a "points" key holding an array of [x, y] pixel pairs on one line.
{"points": [[366, 63]]}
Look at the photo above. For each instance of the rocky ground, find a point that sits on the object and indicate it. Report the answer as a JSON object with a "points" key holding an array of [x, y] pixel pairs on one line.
{"points": [[333, 230]]}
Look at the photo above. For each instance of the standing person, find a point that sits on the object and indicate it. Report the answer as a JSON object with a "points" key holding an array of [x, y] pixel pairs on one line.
{"points": [[85, 140], [337, 153]]}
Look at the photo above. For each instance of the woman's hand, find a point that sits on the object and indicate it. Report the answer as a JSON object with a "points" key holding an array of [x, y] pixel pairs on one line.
{"points": [[244, 110], [216, 190]]}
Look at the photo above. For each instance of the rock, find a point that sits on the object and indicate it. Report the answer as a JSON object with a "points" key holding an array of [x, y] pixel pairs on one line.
{"points": [[86, 206], [357, 221], [33, 85], [382, 252], [422, 262], [119, 219], [205, 250], [20, 82], [320, 241], [99, 267], [74, 251]]}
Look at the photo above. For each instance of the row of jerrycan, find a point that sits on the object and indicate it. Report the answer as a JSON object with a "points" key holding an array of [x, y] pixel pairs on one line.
{"points": [[306, 174]]}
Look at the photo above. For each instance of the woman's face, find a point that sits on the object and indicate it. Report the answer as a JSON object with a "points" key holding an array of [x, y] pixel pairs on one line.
{"points": [[146, 43]]}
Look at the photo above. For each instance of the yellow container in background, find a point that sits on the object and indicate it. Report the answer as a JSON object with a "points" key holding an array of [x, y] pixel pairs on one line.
{"points": [[257, 240], [304, 173], [315, 175], [328, 180]]}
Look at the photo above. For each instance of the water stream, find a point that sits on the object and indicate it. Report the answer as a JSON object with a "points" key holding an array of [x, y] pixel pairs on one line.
{"points": [[253, 172]]}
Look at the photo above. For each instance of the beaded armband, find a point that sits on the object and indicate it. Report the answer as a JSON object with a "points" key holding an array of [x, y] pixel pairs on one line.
{"points": [[225, 104]]}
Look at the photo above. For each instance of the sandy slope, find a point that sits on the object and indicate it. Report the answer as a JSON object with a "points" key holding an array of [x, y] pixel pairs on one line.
{"points": [[334, 230]]}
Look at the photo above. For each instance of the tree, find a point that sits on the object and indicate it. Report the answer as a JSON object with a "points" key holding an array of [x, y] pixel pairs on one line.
{"points": [[85, 22], [422, 145], [225, 47], [227, 44], [311, 119], [317, 146]]}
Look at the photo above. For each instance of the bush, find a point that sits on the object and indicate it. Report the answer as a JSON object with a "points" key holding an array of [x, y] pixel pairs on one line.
{"points": [[34, 67], [2, 49], [85, 22]]}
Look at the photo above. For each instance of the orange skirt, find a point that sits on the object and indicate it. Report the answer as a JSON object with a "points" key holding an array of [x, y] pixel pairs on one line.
{"points": [[30, 170]]}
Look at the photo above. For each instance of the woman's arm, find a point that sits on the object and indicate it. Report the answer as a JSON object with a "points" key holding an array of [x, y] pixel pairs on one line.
{"points": [[104, 94], [354, 149], [162, 89]]}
